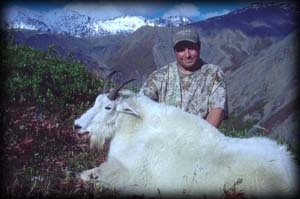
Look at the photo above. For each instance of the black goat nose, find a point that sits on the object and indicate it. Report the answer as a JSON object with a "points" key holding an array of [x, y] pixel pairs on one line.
{"points": [[77, 127]]}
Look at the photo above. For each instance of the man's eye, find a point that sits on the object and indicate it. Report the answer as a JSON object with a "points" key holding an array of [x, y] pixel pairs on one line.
{"points": [[107, 108], [179, 49]]}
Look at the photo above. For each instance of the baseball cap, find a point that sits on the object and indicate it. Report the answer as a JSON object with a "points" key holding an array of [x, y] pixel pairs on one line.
{"points": [[187, 34]]}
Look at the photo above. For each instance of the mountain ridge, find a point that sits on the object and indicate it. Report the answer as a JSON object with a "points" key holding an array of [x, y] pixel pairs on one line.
{"points": [[263, 19], [69, 22]]}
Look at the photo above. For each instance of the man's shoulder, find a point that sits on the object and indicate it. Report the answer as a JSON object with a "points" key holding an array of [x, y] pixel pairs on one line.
{"points": [[212, 69]]}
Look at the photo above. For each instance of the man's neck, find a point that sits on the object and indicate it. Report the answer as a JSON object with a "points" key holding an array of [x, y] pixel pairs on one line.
{"points": [[188, 71]]}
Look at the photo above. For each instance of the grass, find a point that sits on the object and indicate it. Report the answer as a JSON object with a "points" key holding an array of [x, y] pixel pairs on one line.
{"points": [[42, 155]]}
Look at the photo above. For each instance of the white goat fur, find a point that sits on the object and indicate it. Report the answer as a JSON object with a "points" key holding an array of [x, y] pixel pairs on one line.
{"points": [[160, 149]]}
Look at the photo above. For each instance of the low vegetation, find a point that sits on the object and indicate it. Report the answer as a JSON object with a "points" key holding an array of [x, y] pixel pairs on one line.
{"points": [[43, 95], [44, 79]]}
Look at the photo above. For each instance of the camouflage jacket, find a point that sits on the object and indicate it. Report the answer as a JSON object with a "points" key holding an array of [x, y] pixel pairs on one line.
{"points": [[197, 93]]}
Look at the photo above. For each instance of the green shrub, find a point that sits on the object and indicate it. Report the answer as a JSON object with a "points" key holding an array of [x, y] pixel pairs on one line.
{"points": [[43, 79]]}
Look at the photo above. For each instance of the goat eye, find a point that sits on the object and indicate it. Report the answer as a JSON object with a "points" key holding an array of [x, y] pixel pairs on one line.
{"points": [[107, 108]]}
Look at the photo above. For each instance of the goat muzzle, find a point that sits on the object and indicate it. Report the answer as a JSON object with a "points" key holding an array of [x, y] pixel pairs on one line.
{"points": [[80, 132]]}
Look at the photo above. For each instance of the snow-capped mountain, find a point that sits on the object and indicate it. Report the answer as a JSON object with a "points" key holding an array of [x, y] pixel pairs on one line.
{"points": [[24, 19], [69, 22]]}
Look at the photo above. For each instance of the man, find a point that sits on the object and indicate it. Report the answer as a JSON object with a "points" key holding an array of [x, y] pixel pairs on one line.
{"points": [[189, 83]]}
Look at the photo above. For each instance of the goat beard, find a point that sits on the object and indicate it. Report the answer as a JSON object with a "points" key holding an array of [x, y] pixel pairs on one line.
{"points": [[98, 138]]}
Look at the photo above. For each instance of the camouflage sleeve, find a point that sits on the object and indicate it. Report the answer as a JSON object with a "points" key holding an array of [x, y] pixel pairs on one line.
{"points": [[149, 88], [218, 97]]}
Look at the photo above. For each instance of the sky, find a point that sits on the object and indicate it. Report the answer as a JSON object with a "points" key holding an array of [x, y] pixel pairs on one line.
{"points": [[195, 10]]}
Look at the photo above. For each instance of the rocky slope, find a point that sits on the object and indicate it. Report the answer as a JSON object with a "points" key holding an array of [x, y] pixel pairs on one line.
{"points": [[264, 91]]}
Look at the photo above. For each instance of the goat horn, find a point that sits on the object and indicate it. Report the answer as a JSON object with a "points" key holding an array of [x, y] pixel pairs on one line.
{"points": [[107, 81], [114, 93]]}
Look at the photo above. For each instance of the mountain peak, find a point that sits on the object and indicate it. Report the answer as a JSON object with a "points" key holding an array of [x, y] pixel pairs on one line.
{"points": [[69, 22]]}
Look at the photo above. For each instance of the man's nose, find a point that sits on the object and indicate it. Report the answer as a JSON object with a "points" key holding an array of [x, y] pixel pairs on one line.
{"points": [[187, 52]]}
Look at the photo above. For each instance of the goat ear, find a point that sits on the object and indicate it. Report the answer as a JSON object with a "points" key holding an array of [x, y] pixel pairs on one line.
{"points": [[126, 108]]}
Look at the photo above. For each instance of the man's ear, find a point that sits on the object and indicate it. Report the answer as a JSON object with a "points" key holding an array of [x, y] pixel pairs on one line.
{"points": [[129, 109]]}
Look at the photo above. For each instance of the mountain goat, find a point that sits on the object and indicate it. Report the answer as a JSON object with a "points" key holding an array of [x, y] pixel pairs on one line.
{"points": [[157, 149]]}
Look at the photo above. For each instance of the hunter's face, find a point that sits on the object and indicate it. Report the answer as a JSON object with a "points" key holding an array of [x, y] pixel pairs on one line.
{"points": [[187, 54]]}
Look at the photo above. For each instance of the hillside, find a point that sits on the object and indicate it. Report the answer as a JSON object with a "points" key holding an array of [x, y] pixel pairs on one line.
{"points": [[265, 89], [261, 19], [259, 62]]}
